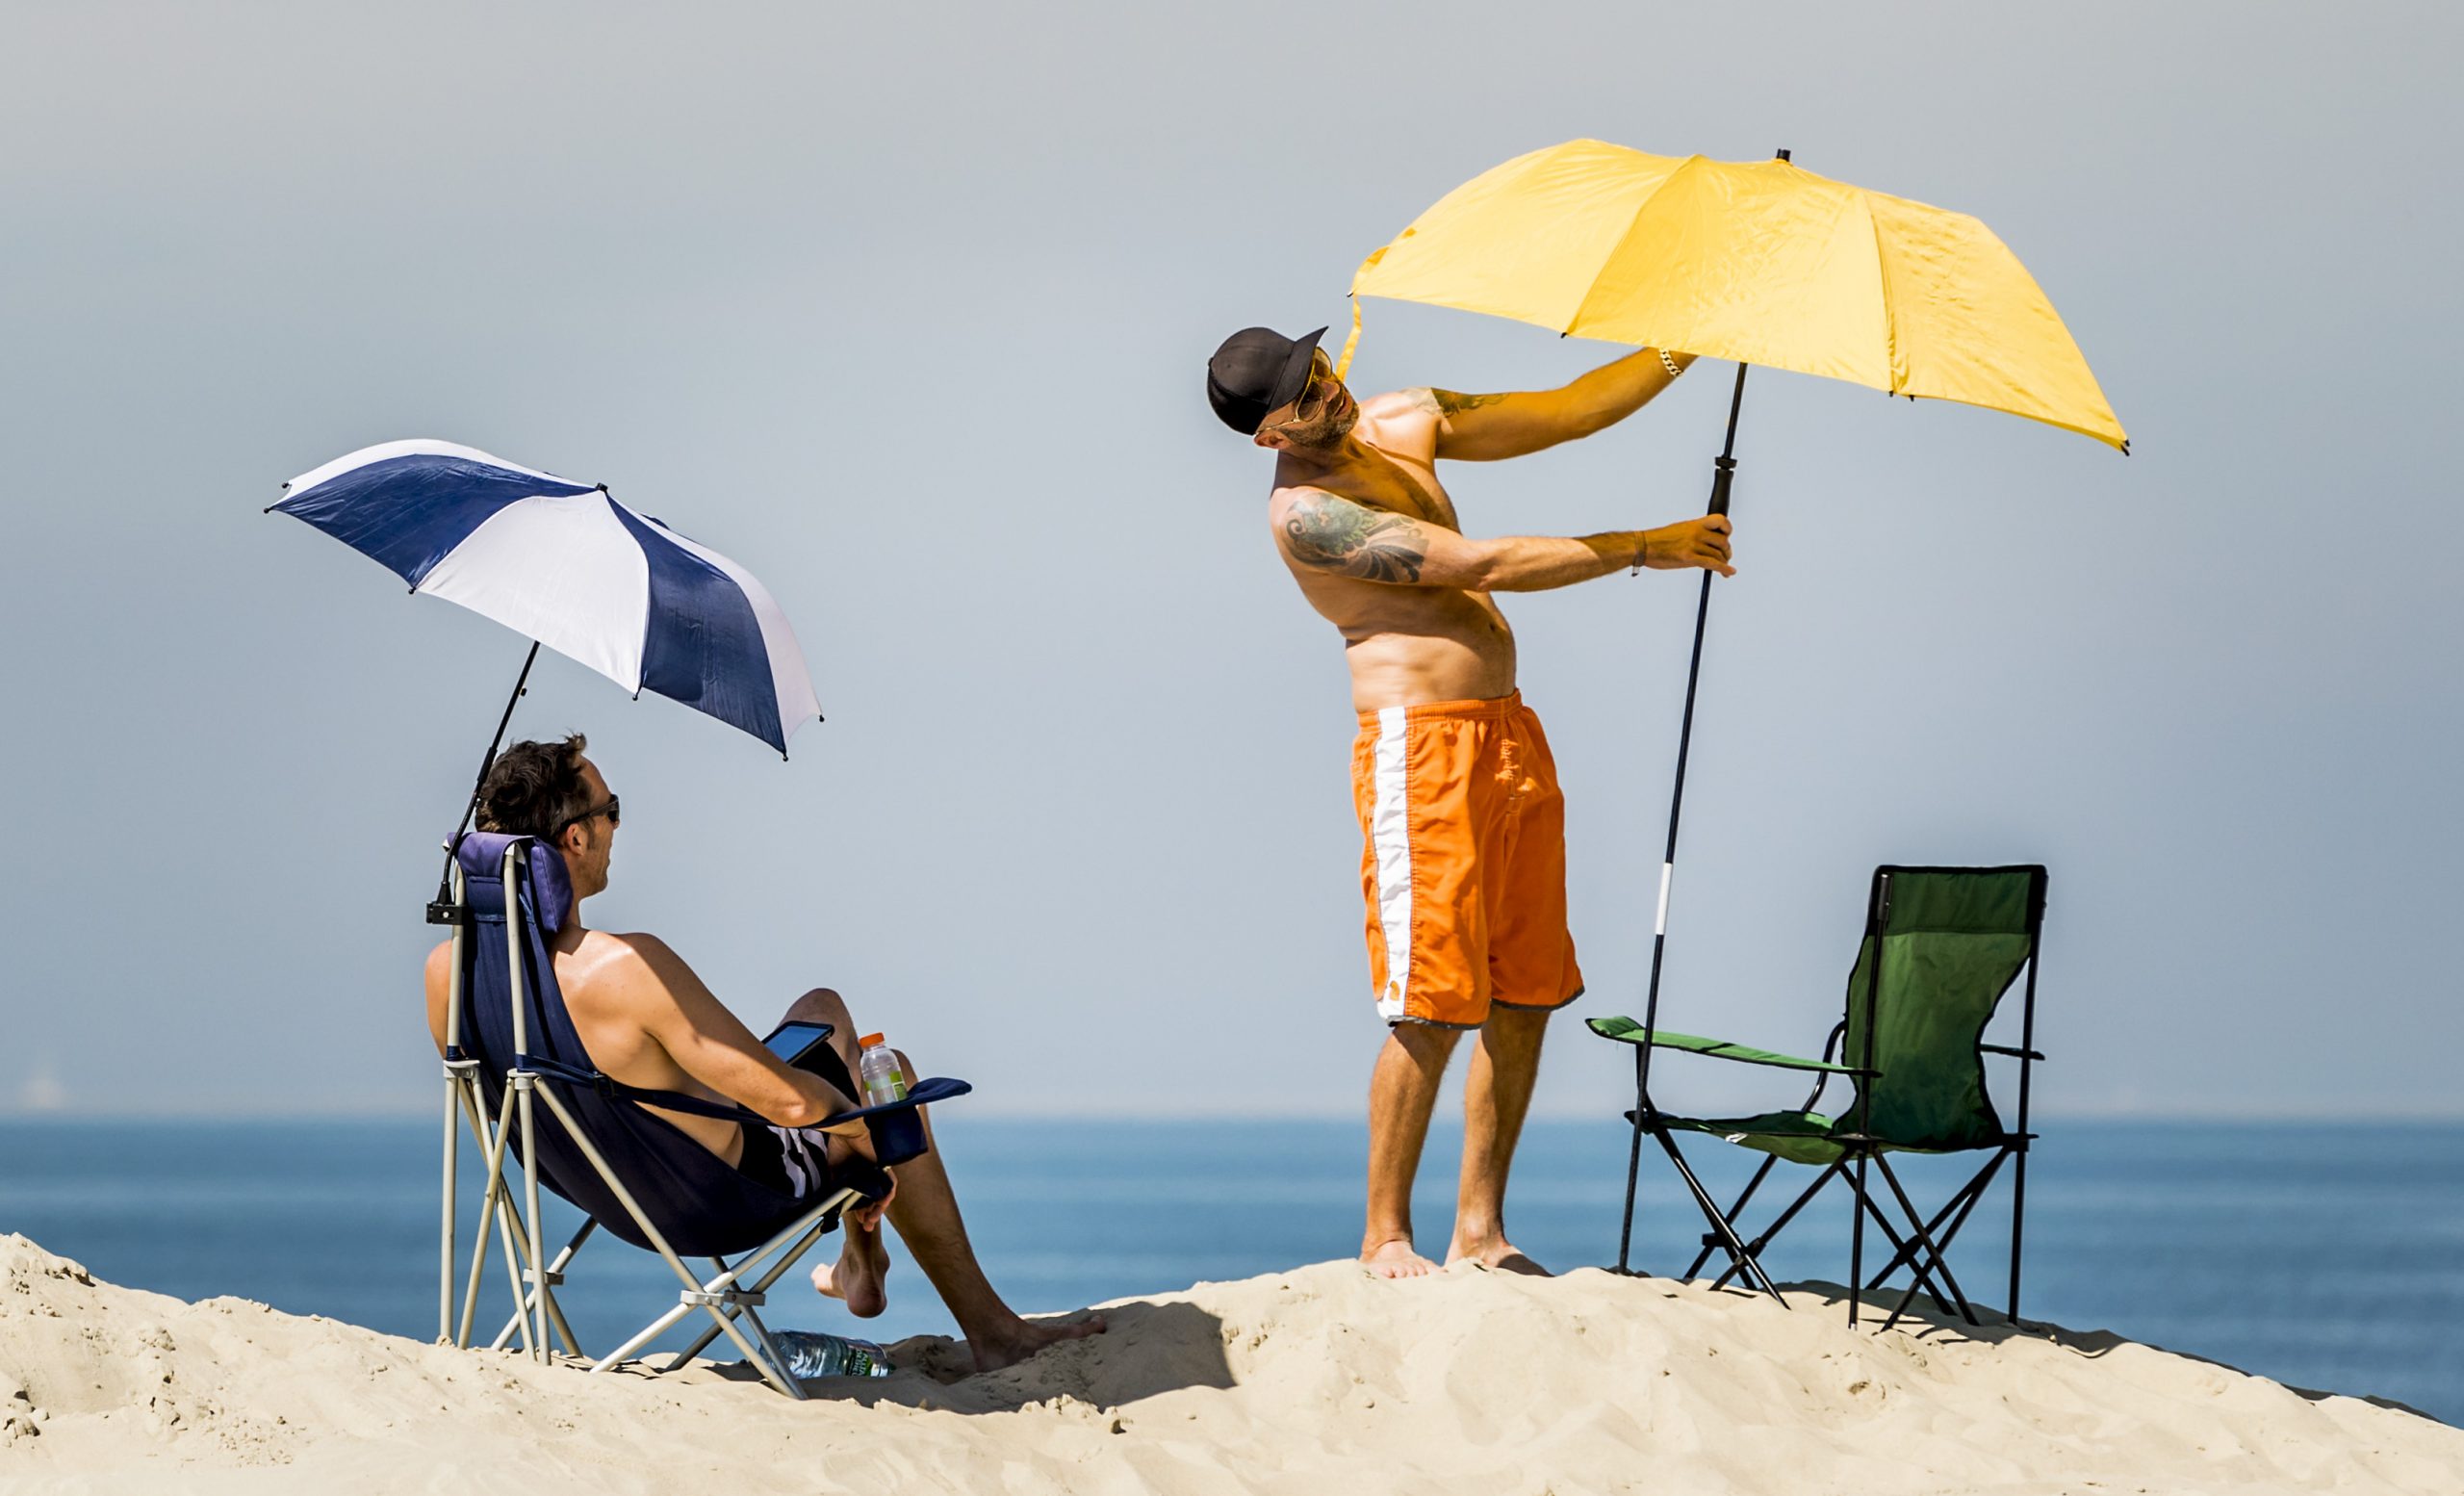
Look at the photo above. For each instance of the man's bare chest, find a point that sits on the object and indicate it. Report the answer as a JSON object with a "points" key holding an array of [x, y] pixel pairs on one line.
{"points": [[1398, 487]]}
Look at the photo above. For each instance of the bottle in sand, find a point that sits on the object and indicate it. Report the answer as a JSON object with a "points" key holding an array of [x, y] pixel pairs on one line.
{"points": [[883, 1079], [813, 1353]]}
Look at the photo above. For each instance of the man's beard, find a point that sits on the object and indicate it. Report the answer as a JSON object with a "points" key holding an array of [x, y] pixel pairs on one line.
{"points": [[1329, 430]]}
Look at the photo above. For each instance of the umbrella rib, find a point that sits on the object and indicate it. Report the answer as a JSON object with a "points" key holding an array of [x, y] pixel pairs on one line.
{"points": [[1650, 198], [1890, 317]]}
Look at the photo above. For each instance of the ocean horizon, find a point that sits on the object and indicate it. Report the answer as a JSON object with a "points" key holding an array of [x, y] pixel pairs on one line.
{"points": [[2325, 1255]]}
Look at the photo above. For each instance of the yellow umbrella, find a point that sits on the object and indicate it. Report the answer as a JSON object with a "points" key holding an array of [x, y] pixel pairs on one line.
{"points": [[1760, 263]]}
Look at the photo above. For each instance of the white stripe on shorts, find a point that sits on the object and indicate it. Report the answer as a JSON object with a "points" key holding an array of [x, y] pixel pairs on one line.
{"points": [[1390, 834]]}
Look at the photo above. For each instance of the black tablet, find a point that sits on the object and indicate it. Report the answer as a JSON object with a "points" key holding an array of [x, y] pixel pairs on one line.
{"points": [[792, 1041]]}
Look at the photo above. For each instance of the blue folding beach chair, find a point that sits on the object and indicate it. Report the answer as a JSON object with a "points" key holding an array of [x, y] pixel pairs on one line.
{"points": [[632, 1172]]}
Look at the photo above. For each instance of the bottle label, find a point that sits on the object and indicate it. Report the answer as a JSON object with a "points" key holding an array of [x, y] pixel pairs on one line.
{"points": [[881, 1089]]}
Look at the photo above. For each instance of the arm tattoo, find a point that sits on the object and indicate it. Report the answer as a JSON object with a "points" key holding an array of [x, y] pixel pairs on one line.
{"points": [[1352, 540], [1446, 402]]}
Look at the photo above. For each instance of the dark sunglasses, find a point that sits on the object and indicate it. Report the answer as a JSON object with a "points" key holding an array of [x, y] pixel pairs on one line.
{"points": [[1315, 396], [612, 809]]}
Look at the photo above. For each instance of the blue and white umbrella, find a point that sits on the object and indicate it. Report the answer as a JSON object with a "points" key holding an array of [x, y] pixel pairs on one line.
{"points": [[567, 565]]}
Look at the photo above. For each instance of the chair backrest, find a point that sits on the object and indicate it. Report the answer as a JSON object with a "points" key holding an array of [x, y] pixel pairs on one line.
{"points": [[1941, 946], [699, 1203]]}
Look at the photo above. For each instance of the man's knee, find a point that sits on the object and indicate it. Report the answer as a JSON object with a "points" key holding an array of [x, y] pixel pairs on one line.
{"points": [[821, 1005], [1424, 1042], [1513, 1025]]}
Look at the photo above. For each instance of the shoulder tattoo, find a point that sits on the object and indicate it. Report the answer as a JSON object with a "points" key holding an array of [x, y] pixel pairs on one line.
{"points": [[1448, 403], [1353, 540]]}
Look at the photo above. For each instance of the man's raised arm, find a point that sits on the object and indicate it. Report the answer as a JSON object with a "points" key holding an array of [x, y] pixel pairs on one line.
{"points": [[1486, 428], [1324, 532]]}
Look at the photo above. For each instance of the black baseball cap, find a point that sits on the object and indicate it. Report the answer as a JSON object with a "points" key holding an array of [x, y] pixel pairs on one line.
{"points": [[1258, 370]]}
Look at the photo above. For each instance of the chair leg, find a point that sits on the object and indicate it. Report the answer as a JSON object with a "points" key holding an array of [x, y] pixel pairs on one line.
{"points": [[1735, 1211], [1956, 1210], [1924, 1239], [452, 1187], [555, 1312], [495, 1195], [776, 1271], [1857, 1242], [2018, 1220], [1920, 1275], [1710, 1210], [1763, 1237], [1633, 1168]]}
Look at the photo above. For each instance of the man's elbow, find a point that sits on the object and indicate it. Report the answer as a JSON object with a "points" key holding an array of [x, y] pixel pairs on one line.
{"points": [[1487, 569], [799, 1111]]}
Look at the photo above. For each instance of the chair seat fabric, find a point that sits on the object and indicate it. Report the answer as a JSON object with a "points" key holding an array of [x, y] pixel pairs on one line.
{"points": [[1799, 1137]]}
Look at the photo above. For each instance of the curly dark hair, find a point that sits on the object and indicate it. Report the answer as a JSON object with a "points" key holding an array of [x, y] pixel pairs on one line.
{"points": [[534, 788]]}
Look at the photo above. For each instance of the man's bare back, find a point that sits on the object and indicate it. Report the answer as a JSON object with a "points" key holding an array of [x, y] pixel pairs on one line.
{"points": [[621, 990]]}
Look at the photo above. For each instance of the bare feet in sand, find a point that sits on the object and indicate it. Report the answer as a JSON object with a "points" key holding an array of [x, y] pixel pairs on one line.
{"points": [[1025, 1338], [1395, 1258], [859, 1278], [1498, 1256]]}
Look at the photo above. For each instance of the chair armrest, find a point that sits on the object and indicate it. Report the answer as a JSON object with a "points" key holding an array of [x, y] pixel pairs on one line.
{"points": [[2017, 1054], [1627, 1031], [896, 1131]]}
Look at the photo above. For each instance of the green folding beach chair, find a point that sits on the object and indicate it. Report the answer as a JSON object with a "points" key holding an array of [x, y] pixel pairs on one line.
{"points": [[1941, 947]]}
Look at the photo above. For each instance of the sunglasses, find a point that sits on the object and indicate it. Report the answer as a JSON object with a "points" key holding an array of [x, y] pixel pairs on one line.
{"points": [[1315, 396], [613, 810]]}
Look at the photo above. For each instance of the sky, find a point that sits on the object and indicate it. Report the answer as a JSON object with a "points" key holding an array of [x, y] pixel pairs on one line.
{"points": [[905, 308]]}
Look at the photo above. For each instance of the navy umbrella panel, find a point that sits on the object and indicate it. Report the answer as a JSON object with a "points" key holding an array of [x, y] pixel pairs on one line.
{"points": [[569, 566]]}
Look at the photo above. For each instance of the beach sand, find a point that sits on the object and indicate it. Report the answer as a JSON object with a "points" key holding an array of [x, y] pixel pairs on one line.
{"points": [[1319, 1380]]}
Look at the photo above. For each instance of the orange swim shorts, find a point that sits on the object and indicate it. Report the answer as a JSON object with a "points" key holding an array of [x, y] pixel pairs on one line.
{"points": [[1464, 861]]}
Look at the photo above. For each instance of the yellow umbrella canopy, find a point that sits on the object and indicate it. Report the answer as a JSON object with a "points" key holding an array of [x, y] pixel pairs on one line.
{"points": [[1757, 262]]}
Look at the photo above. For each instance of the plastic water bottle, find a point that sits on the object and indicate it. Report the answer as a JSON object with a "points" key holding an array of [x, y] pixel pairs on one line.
{"points": [[883, 1079], [816, 1353]]}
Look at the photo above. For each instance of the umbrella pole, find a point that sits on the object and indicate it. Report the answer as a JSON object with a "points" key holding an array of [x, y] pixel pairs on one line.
{"points": [[444, 909], [1723, 474]]}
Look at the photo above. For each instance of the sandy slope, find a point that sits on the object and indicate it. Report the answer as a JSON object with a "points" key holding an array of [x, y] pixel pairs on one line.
{"points": [[1319, 1380]]}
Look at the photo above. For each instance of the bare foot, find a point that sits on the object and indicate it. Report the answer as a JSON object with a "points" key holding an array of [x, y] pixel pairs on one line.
{"points": [[1396, 1259], [1023, 1338], [1496, 1256], [861, 1276]]}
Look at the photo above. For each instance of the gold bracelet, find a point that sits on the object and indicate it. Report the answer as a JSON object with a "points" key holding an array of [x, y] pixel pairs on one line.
{"points": [[1668, 363]]}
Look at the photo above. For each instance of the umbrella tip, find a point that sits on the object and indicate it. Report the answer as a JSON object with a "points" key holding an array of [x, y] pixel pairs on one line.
{"points": [[1784, 154]]}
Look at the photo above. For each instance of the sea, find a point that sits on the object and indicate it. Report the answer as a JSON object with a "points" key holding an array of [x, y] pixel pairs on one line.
{"points": [[2326, 1255]]}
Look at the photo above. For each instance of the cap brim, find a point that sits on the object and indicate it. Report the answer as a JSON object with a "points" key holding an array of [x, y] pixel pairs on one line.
{"points": [[1295, 379]]}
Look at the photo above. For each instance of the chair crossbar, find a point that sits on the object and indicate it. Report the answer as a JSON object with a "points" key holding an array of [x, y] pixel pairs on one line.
{"points": [[1956, 1210], [817, 1223], [1763, 1238], [1918, 1236]]}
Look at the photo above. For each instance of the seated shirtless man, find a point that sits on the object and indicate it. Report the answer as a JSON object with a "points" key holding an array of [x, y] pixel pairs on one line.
{"points": [[647, 1021]]}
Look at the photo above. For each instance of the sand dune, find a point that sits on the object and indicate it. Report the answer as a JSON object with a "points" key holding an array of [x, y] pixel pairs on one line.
{"points": [[1319, 1380]]}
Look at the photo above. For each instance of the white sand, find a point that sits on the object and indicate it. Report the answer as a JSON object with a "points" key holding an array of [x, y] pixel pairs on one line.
{"points": [[1317, 1380]]}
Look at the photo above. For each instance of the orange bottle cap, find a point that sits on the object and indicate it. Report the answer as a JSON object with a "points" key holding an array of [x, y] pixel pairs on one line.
{"points": [[868, 1040]]}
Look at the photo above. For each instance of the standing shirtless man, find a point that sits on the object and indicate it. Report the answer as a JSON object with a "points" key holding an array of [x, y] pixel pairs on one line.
{"points": [[1464, 864]]}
